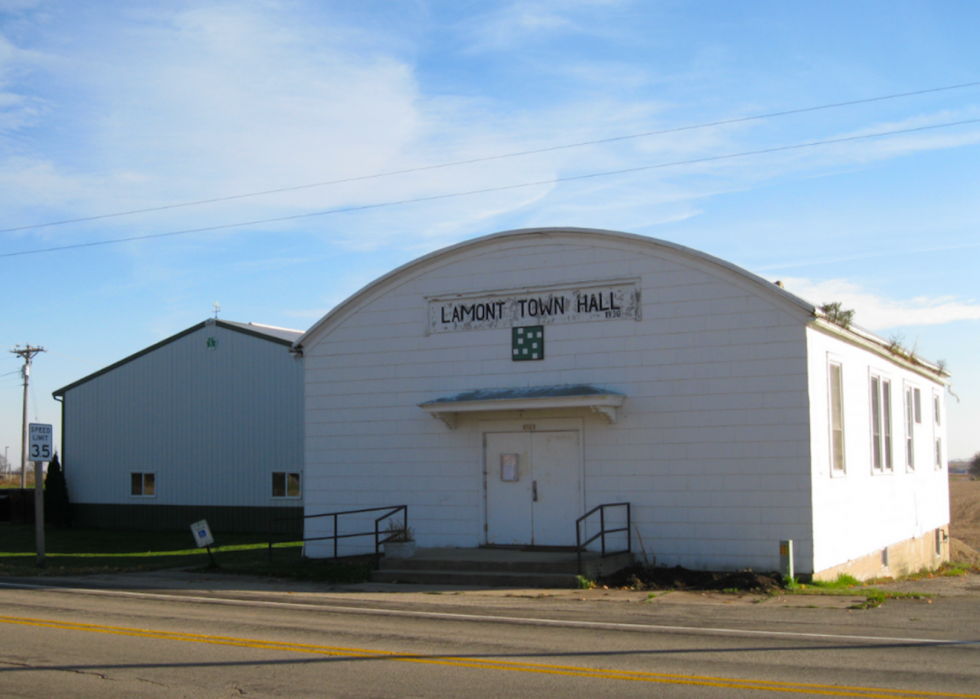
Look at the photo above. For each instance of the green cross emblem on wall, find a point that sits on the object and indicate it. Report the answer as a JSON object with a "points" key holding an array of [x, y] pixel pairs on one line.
{"points": [[212, 343]]}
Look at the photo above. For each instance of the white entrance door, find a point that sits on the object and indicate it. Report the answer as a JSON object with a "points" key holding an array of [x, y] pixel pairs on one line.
{"points": [[555, 468], [534, 489], [509, 495]]}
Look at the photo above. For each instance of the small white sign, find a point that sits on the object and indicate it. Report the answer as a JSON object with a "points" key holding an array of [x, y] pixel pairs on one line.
{"points": [[202, 533], [508, 467], [41, 444]]}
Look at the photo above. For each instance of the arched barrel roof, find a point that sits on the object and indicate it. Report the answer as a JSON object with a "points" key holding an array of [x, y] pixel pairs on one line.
{"points": [[419, 265]]}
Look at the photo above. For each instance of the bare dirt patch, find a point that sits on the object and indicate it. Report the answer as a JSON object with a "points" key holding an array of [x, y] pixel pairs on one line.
{"points": [[640, 577]]}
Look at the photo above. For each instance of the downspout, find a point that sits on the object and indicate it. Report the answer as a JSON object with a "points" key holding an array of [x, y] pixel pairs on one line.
{"points": [[949, 387]]}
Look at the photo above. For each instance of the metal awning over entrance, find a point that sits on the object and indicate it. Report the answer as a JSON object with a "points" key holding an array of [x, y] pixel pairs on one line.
{"points": [[599, 400]]}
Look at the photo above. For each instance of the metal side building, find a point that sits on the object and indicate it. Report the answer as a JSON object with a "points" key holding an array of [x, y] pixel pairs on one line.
{"points": [[205, 424]]}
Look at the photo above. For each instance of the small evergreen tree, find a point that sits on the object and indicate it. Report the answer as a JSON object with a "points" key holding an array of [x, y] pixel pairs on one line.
{"points": [[836, 313], [57, 508]]}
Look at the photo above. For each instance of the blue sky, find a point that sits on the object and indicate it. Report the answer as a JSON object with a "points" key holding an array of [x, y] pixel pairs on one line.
{"points": [[108, 107]]}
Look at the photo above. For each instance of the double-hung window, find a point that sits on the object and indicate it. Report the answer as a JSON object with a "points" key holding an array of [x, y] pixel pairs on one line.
{"points": [[837, 464], [285, 484], [142, 485], [910, 412], [881, 424]]}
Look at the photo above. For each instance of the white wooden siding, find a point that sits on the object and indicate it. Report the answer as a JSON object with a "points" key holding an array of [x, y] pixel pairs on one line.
{"points": [[712, 445], [862, 511]]}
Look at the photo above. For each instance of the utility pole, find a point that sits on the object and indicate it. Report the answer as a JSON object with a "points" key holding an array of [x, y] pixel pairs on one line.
{"points": [[27, 354]]}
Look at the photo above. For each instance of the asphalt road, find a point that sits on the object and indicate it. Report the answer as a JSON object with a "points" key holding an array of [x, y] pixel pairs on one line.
{"points": [[199, 638]]}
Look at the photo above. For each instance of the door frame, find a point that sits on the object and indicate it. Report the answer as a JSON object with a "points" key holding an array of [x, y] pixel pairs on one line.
{"points": [[544, 424]]}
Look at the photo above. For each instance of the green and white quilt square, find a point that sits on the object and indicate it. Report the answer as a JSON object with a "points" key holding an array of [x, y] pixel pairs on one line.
{"points": [[527, 343]]}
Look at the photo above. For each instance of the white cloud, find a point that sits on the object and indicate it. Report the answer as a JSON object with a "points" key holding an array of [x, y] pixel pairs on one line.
{"points": [[224, 99], [17, 110], [876, 312], [870, 150], [208, 102], [512, 25], [515, 24]]}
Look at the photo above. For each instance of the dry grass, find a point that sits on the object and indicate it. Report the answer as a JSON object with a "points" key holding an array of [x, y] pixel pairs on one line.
{"points": [[12, 480], [964, 525]]}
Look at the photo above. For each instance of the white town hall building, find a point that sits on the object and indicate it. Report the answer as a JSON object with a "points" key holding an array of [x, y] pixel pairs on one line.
{"points": [[503, 387]]}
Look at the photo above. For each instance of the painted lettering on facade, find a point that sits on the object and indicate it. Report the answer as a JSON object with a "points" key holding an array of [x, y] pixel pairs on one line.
{"points": [[503, 310]]}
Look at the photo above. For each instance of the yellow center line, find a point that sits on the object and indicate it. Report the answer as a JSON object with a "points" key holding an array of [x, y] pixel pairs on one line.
{"points": [[484, 664]]}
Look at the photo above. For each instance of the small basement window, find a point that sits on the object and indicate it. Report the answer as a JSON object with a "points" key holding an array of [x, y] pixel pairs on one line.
{"points": [[285, 484], [142, 485]]}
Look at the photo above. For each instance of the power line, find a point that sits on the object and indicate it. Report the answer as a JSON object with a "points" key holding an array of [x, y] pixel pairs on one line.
{"points": [[556, 180], [503, 156], [34, 396]]}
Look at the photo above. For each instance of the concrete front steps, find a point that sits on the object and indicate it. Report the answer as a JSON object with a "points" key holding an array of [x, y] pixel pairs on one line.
{"points": [[493, 567]]}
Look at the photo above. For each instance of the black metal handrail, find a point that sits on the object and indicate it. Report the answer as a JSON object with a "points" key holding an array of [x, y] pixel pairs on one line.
{"points": [[389, 512], [601, 509]]}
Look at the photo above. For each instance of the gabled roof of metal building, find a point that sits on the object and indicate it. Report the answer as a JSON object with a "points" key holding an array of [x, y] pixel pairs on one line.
{"points": [[280, 336], [271, 331]]}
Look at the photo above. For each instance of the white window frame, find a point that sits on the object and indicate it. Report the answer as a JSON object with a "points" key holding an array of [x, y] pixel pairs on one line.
{"points": [[142, 475], [908, 418], [882, 432], [286, 475], [836, 450]]}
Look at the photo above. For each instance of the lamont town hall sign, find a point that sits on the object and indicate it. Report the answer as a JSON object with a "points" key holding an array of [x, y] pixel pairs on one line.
{"points": [[543, 306]]}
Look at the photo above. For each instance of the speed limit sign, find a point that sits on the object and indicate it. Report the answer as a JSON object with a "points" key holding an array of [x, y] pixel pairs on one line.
{"points": [[41, 443]]}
